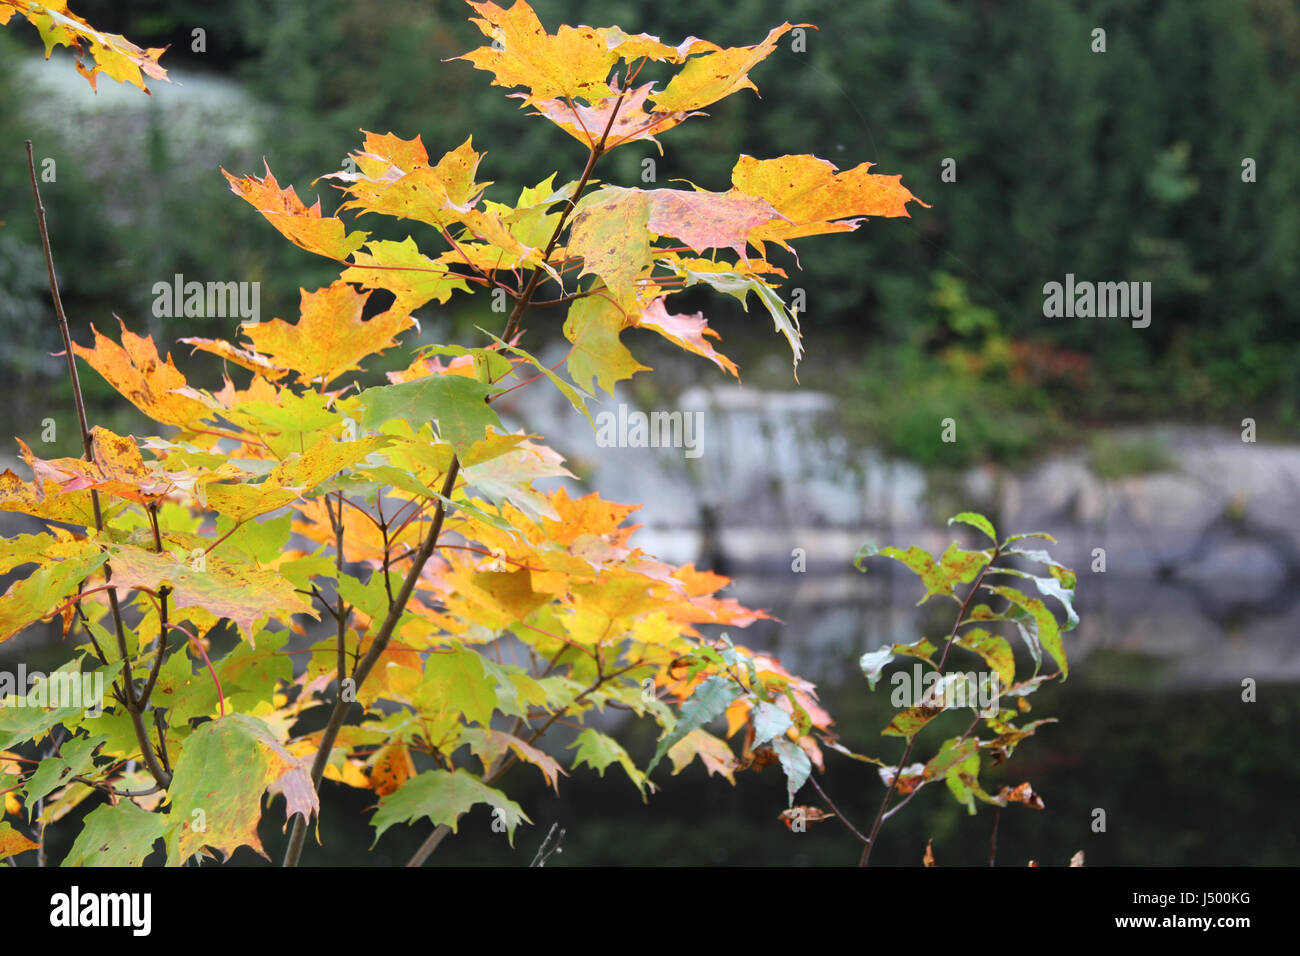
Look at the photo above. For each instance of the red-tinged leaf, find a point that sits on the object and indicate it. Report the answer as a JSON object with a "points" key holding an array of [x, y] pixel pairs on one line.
{"points": [[928, 859], [244, 594], [490, 745], [304, 226], [218, 782], [691, 332], [701, 219], [45, 501], [588, 123], [575, 62], [717, 74], [148, 382], [116, 467], [814, 199]]}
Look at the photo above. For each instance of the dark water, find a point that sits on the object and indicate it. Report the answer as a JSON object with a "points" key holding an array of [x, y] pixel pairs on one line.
{"points": [[1152, 730]]}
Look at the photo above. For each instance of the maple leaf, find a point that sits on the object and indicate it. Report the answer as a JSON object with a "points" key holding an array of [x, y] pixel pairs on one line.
{"points": [[575, 62], [118, 834], [593, 326], [633, 122], [719, 73], [701, 219], [691, 332], [115, 56], [148, 382], [304, 226], [599, 750], [458, 404], [390, 767], [244, 358], [713, 753], [442, 797], [220, 777], [610, 234], [116, 467], [399, 268], [330, 337], [394, 178], [814, 199], [12, 842], [32, 598], [229, 589]]}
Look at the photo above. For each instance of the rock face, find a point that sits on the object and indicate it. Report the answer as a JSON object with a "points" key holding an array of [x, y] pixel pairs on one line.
{"points": [[775, 471], [1191, 566]]}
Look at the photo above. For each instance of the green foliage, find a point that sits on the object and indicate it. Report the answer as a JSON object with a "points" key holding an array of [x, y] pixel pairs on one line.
{"points": [[994, 697]]}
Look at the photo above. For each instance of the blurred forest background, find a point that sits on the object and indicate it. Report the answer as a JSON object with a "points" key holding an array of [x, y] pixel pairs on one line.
{"points": [[1122, 166]]}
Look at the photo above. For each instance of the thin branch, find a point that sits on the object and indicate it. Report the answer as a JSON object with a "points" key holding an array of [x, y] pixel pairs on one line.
{"points": [[907, 751], [836, 810], [367, 663], [141, 733], [526, 296]]}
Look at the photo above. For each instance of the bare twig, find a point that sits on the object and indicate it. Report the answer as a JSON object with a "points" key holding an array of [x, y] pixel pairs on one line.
{"points": [[367, 663], [550, 846], [132, 705]]}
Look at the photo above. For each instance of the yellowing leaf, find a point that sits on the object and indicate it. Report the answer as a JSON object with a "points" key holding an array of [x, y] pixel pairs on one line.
{"points": [[598, 357], [304, 226], [227, 589], [575, 62], [114, 55], [330, 338], [399, 268], [713, 753], [31, 599], [218, 783], [813, 198], [149, 383], [12, 842], [610, 235], [708, 78]]}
